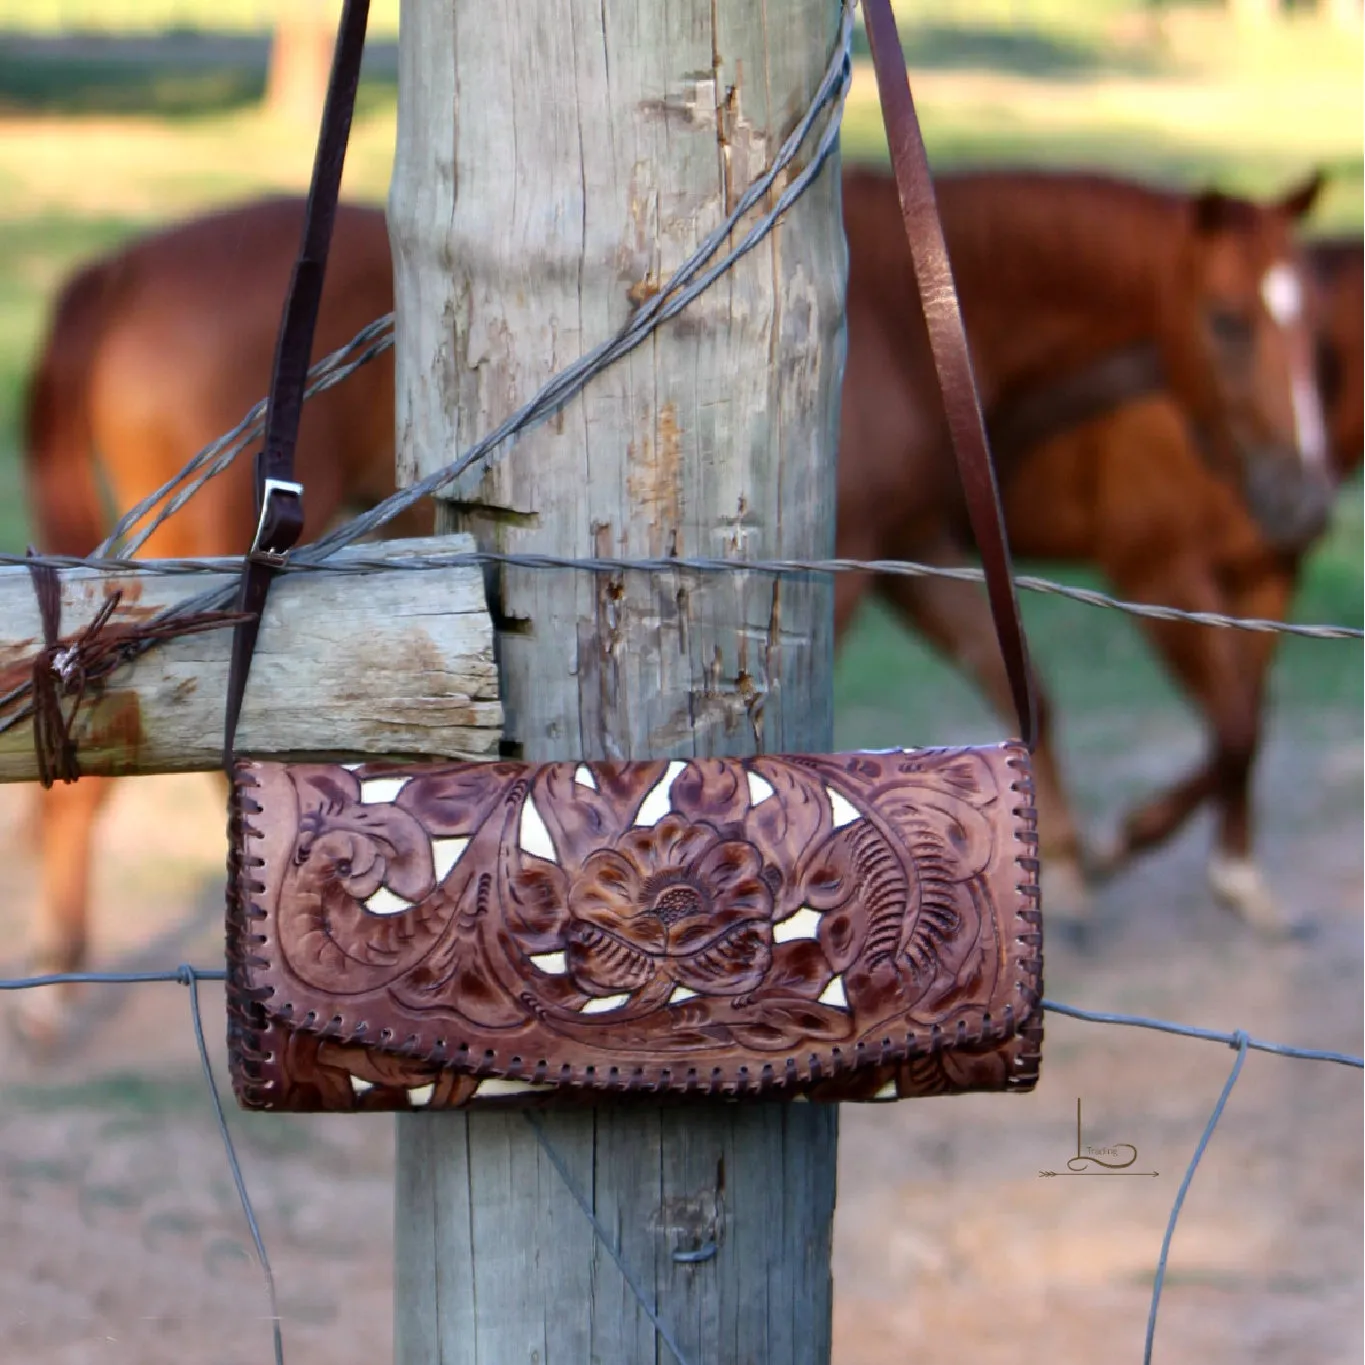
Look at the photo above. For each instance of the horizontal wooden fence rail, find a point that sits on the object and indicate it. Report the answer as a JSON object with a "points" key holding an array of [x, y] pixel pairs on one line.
{"points": [[392, 662]]}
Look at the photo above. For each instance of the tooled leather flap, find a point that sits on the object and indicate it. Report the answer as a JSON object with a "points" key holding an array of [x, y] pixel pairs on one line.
{"points": [[717, 925]]}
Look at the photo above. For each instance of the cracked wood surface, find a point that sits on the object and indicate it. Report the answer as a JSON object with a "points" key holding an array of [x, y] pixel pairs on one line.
{"points": [[330, 645], [555, 164]]}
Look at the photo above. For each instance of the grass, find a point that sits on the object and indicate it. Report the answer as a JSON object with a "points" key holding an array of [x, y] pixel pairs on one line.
{"points": [[99, 139], [119, 17]]}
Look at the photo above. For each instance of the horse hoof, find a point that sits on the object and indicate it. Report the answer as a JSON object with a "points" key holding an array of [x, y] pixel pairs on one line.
{"points": [[1238, 884], [41, 1020]]}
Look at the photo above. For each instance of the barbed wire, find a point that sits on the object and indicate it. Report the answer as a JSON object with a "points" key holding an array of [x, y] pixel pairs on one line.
{"points": [[139, 523], [190, 977], [697, 273], [371, 342], [901, 568], [691, 279]]}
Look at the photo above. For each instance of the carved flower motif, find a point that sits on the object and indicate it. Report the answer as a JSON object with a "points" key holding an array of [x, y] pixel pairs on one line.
{"points": [[675, 901]]}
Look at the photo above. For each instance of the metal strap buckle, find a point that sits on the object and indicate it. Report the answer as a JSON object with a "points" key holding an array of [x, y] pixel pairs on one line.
{"points": [[261, 553]]}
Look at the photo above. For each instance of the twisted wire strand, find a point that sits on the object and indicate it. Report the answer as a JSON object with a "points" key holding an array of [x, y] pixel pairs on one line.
{"points": [[796, 568], [215, 458], [371, 341], [689, 281]]}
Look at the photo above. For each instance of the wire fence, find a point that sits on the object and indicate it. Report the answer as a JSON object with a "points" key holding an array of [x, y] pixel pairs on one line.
{"points": [[711, 259], [707, 264], [190, 977], [799, 568]]}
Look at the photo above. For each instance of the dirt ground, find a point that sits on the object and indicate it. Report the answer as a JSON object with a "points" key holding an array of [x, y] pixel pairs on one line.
{"points": [[123, 1242]]}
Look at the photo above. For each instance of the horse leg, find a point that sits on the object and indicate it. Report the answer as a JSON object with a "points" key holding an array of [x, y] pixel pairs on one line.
{"points": [[1223, 673], [1234, 876], [66, 818], [956, 619], [67, 813]]}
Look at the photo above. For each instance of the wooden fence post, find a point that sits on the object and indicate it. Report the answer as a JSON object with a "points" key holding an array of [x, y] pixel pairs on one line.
{"points": [[554, 163]]}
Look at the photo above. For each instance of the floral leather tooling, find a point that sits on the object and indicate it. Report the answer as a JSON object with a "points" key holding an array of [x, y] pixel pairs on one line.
{"points": [[842, 927]]}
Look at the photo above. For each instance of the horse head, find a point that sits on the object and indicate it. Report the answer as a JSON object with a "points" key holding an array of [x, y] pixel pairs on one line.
{"points": [[1242, 329]]}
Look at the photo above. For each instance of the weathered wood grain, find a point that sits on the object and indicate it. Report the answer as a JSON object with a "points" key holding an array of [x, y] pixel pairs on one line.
{"points": [[555, 162], [393, 663]]}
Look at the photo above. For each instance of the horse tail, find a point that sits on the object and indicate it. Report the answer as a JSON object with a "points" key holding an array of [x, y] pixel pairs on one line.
{"points": [[63, 491]]}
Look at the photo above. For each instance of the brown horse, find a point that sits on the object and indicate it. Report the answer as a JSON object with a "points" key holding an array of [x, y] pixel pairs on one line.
{"points": [[1164, 529], [1203, 308], [153, 352], [157, 349]]}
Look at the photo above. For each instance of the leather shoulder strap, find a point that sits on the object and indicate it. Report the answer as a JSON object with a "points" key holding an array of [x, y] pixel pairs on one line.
{"points": [[279, 499], [948, 342]]}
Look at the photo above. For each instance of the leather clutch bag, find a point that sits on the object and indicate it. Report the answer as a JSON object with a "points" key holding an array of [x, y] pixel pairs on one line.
{"points": [[824, 927], [851, 927]]}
